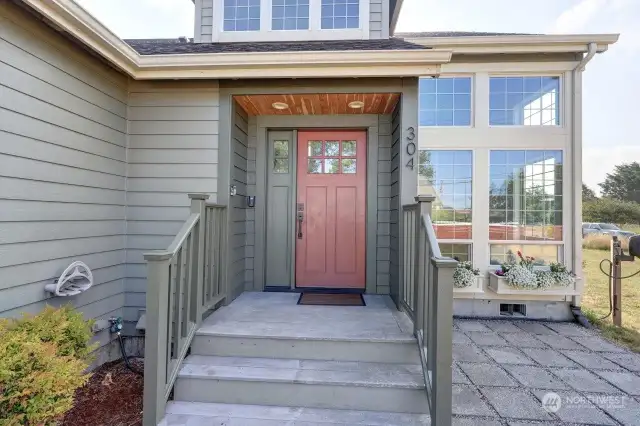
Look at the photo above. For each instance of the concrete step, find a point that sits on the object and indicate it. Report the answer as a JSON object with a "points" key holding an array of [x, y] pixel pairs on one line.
{"points": [[342, 385], [372, 347], [207, 414]]}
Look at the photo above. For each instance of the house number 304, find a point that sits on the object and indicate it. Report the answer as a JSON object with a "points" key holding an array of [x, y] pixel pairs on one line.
{"points": [[411, 146]]}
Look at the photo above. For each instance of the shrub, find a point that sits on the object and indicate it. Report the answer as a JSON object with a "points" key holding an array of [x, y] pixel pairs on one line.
{"points": [[43, 363], [611, 211]]}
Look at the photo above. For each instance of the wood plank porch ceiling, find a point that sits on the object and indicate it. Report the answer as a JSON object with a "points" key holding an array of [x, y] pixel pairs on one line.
{"points": [[319, 103]]}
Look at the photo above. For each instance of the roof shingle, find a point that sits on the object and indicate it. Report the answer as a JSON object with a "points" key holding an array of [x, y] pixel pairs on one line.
{"points": [[186, 46]]}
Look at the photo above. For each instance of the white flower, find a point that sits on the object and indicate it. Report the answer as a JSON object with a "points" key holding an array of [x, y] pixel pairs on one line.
{"points": [[463, 277], [564, 279], [545, 279], [521, 277]]}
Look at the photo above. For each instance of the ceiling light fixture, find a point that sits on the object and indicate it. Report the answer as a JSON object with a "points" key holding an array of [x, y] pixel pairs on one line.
{"points": [[356, 104], [280, 105]]}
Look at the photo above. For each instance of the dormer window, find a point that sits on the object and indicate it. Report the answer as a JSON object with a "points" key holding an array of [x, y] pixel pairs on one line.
{"points": [[290, 15], [340, 14], [242, 15]]}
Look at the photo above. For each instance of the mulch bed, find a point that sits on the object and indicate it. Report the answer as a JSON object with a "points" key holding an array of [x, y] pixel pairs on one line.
{"points": [[113, 397]]}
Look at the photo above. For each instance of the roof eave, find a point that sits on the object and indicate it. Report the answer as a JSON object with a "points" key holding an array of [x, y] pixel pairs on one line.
{"points": [[577, 43], [72, 18]]}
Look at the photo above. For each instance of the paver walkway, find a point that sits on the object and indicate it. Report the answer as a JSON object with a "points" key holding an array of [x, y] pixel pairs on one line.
{"points": [[504, 370]]}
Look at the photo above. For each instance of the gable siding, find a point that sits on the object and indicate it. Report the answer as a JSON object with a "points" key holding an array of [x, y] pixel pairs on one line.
{"points": [[204, 21], [383, 250], [377, 21], [173, 151], [62, 170]]}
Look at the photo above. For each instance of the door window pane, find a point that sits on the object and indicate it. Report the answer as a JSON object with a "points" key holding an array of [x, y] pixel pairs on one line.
{"points": [[445, 101], [524, 101], [290, 15], [447, 175], [331, 165], [349, 148], [314, 166], [525, 195], [348, 165], [332, 148], [281, 156], [340, 14], [315, 148], [241, 15]]}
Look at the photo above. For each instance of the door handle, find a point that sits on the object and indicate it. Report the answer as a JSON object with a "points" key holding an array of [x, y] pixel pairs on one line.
{"points": [[300, 219]]}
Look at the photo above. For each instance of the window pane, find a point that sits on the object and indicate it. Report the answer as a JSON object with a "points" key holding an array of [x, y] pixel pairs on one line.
{"points": [[332, 148], [281, 165], [294, 12], [340, 14], [242, 15], [315, 148], [525, 201], [331, 165], [348, 165], [349, 148], [445, 101], [524, 101], [447, 175], [314, 166], [543, 254], [461, 252], [281, 149]]}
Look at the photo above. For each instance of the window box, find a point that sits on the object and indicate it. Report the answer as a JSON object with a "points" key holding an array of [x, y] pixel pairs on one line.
{"points": [[476, 287], [499, 285]]}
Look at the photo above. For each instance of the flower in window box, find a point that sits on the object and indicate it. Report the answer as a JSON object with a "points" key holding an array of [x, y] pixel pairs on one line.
{"points": [[465, 275]]}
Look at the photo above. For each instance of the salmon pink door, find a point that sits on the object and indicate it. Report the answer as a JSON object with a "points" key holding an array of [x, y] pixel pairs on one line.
{"points": [[331, 209]]}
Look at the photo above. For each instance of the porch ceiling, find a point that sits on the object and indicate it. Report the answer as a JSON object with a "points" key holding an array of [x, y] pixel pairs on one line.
{"points": [[319, 103]]}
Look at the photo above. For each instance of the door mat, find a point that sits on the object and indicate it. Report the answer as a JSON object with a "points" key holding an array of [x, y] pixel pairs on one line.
{"points": [[344, 299]]}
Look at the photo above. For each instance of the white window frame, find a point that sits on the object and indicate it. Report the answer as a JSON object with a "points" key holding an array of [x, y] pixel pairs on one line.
{"points": [[560, 101], [266, 33], [472, 122]]}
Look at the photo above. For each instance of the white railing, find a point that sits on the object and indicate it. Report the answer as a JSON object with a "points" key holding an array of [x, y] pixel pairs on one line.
{"points": [[184, 283], [427, 296]]}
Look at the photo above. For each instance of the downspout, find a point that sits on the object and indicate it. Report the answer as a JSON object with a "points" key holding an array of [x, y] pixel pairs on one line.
{"points": [[576, 133]]}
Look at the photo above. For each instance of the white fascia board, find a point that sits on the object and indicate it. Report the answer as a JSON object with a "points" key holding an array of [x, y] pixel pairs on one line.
{"points": [[518, 43], [68, 16]]}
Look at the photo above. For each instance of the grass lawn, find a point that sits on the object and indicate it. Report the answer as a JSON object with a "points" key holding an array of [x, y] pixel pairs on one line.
{"points": [[595, 301]]}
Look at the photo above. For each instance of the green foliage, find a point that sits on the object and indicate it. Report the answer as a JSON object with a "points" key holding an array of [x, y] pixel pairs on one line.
{"points": [[43, 363], [587, 193], [610, 210], [623, 183]]}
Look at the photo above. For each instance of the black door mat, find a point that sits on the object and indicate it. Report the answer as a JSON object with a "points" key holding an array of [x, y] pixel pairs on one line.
{"points": [[340, 299]]}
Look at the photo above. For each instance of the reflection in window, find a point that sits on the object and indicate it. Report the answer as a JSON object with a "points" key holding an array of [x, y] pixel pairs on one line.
{"points": [[524, 101], [525, 195], [447, 175], [507, 253], [461, 252], [290, 15], [340, 14], [331, 157], [241, 15], [281, 157], [445, 101]]}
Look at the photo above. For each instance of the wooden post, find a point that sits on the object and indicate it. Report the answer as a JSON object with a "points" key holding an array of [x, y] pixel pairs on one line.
{"points": [[156, 337], [198, 206], [421, 264], [616, 274]]}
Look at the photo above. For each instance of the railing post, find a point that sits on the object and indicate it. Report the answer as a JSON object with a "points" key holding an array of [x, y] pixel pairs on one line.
{"points": [[198, 206], [442, 341], [421, 266], [156, 337]]}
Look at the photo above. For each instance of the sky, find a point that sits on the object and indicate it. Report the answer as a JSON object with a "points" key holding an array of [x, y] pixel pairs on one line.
{"points": [[610, 83]]}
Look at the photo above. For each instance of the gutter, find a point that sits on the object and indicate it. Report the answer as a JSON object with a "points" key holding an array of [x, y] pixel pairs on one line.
{"points": [[576, 136]]}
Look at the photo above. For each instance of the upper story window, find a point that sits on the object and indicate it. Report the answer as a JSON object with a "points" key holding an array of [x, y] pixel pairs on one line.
{"points": [[445, 101], [242, 15], [290, 15], [340, 14], [524, 101]]}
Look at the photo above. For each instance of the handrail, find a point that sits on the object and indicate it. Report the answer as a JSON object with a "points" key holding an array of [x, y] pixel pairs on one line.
{"points": [[427, 296], [184, 283]]}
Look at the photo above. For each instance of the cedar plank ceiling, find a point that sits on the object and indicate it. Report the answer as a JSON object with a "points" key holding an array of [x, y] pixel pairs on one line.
{"points": [[319, 103]]}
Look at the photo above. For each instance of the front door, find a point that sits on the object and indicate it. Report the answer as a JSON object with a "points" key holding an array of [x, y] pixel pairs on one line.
{"points": [[331, 209]]}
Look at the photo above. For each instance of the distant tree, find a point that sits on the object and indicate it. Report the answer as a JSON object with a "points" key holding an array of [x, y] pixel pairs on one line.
{"points": [[609, 210], [587, 193], [623, 183]]}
